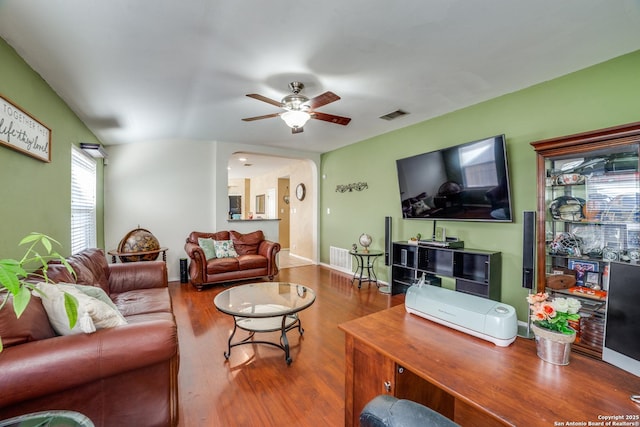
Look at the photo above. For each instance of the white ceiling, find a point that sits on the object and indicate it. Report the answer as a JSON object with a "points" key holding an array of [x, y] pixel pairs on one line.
{"points": [[147, 70]]}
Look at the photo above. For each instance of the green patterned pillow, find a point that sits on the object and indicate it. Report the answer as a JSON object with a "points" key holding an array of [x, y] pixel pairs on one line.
{"points": [[225, 249], [208, 247]]}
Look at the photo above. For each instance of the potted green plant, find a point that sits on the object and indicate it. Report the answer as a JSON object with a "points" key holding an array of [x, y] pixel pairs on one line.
{"points": [[14, 273]]}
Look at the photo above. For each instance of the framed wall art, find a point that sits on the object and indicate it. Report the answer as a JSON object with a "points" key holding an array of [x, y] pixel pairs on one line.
{"points": [[22, 132], [581, 268], [592, 280]]}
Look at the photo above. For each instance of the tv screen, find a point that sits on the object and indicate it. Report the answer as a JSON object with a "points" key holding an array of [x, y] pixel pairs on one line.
{"points": [[621, 344], [466, 182]]}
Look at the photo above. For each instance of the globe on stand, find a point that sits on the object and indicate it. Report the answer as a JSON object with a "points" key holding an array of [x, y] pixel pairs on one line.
{"points": [[139, 240], [365, 241]]}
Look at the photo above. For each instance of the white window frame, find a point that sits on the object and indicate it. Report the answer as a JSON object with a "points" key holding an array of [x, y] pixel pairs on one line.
{"points": [[83, 201]]}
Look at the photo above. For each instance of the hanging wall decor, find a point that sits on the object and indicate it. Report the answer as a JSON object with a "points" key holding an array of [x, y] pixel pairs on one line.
{"points": [[358, 186], [22, 132]]}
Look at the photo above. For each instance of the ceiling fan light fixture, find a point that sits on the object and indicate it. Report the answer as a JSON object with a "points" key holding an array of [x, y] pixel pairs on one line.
{"points": [[299, 109], [295, 102], [295, 119]]}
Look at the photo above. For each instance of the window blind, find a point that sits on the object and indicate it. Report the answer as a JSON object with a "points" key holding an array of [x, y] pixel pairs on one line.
{"points": [[83, 201]]}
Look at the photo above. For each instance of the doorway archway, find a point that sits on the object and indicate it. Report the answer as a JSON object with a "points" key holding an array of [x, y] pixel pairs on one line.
{"points": [[251, 174]]}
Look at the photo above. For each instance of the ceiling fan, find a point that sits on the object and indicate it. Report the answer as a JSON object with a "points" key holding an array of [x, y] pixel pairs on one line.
{"points": [[298, 108]]}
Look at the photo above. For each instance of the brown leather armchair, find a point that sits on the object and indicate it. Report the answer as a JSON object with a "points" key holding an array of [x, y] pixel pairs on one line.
{"points": [[256, 258]]}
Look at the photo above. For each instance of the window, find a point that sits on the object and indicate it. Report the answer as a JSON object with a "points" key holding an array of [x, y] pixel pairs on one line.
{"points": [[479, 165], [83, 201]]}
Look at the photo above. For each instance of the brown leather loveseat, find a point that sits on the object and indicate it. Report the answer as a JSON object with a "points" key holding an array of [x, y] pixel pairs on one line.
{"points": [[256, 257], [120, 376]]}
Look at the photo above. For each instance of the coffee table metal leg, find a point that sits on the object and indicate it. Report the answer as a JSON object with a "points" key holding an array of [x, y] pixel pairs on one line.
{"points": [[372, 273], [235, 328], [244, 341], [359, 270], [284, 341]]}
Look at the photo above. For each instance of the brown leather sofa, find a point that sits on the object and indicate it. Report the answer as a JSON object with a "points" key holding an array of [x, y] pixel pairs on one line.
{"points": [[121, 376], [256, 258]]}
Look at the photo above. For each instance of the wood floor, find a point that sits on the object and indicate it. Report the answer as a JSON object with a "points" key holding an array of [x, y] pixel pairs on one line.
{"points": [[255, 387], [287, 260]]}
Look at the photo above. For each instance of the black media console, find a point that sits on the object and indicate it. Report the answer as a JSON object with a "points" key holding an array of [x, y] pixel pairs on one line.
{"points": [[475, 271]]}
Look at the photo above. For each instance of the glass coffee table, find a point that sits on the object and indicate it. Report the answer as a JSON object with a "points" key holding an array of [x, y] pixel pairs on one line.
{"points": [[265, 307]]}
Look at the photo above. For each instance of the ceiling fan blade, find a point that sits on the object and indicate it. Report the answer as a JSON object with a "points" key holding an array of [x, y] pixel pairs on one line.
{"points": [[323, 99], [268, 116], [265, 99], [339, 120], [297, 130]]}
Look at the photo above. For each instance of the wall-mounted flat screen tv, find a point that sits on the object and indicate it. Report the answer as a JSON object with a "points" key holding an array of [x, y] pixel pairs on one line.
{"points": [[466, 182]]}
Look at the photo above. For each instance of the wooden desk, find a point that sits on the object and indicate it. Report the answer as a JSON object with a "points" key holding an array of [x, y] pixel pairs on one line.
{"points": [[474, 382]]}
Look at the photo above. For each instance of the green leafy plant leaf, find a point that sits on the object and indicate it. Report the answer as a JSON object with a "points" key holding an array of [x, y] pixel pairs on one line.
{"points": [[10, 275], [14, 273], [32, 237], [21, 300], [47, 244], [71, 307]]}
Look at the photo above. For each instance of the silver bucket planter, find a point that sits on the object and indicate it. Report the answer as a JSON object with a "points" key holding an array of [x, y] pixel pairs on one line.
{"points": [[553, 347]]}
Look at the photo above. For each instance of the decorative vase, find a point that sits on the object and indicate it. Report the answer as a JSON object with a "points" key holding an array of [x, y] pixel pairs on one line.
{"points": [[553, 347]]}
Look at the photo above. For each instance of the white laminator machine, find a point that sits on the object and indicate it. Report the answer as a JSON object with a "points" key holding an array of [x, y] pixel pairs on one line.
{"points": [[483, 318]]}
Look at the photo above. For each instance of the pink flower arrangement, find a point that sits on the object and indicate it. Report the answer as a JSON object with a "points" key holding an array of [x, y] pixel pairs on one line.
{"points": [[553, 315]]}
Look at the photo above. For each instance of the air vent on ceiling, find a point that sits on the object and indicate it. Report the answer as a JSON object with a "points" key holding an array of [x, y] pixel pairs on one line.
{"points": [[393, 115]]}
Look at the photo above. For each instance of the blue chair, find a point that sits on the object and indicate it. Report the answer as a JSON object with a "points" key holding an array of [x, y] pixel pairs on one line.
{"points": [[49, 418], [389, 411]]}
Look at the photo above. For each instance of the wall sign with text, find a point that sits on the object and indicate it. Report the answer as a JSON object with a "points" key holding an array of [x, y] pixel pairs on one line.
{"points": [[23, 132]]}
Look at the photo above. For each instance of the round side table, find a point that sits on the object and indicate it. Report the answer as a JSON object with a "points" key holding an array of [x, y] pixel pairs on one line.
{"points": [[365, 262]]}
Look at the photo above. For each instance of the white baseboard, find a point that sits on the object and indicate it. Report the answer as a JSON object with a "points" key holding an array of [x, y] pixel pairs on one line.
{"points": [[342, 270]]}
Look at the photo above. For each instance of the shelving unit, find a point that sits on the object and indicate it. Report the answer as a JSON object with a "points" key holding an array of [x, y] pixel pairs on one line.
{"points": [[475, 271], [588, 215], [404, 268]]}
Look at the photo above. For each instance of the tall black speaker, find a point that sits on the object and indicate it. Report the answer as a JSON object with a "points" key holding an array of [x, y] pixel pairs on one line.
{"points": [[529, 249], [387, 240], [184, 271]]}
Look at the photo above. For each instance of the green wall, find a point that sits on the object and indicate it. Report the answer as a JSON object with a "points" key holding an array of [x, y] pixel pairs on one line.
{"points": [[604, 95], [35, 195]]}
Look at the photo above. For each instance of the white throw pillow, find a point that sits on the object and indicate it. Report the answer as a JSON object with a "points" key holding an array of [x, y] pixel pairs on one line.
{"points": [[92, 291], [103, 317], [53, 301], [225, 249], [92, 313]]}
